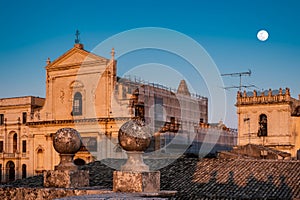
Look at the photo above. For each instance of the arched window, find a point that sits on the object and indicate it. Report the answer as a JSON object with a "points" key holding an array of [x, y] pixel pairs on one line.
{"points": [[23, 171], [263, 125], [15, 142], [77, 104]]}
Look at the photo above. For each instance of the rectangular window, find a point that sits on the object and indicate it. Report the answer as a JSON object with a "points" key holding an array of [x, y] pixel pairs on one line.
{"points": [[172, 120], [158, 109], [1, 146], [24, 117], [1, 173], [1, 119], [90, 143], [24, 146], [76, 106]]}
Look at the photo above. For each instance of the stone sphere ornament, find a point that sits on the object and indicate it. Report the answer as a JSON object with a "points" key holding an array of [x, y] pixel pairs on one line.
{"points": [[134, 135], [67, 141]]}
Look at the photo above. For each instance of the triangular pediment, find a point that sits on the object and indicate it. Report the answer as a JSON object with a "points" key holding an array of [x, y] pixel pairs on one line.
{"points": [[183, 88], [76, 56]]}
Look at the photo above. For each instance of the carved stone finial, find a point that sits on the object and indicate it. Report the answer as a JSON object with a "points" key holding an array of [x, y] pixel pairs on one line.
{"points": [[245, 94], [287, 91], [280, 91], [135, 138], [66, 142], [270, 92], [112, 53], [134, 135], [254, 93], [48, 61]]}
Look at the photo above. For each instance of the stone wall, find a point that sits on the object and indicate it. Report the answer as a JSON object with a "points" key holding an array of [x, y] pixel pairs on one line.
{"points": [[11, 193]]}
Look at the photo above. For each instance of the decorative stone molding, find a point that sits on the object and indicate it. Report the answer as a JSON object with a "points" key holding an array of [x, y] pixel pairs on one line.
{"points": [[76, 84], [266, 97], [66, 142]]}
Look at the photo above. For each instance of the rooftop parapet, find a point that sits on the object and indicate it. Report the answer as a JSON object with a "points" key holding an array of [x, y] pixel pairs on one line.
{"points": [[267, 96]]}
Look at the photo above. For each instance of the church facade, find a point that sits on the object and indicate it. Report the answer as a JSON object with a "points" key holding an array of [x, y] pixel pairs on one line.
{"points": [[270, 118], [84, 92]]}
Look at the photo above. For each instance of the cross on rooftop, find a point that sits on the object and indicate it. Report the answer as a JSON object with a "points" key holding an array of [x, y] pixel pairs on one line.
{"points": [[77, 39]]}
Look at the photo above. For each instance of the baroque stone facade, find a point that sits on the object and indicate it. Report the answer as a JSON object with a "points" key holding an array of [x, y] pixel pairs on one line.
{"points": [[84, 92], [269, 118]]}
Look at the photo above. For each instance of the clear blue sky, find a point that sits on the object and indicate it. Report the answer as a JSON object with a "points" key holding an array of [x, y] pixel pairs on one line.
{"points": [[32, 31]]}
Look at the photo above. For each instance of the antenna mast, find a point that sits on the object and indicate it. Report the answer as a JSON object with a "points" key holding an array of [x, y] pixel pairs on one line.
{"points": [[239, 74]]}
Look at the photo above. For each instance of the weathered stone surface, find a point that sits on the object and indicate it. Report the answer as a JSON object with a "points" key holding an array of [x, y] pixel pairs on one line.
{"points": [[67, 141], [136, 181], [66, 162], [134, 136], [10, 193], [135, 162], [66, 178]]}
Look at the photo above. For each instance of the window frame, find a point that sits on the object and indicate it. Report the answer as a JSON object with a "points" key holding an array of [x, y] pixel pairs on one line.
{"points": [[263, 125], [77, 104], [24, 146], [1, 119]]}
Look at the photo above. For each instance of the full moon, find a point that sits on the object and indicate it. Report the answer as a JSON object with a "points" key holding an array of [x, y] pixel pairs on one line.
{"points": [[262, 35]]}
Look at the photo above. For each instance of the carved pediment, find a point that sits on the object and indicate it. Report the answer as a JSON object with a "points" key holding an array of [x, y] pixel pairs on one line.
{"points": [[40, 147], [76, 84], [76, 56]]}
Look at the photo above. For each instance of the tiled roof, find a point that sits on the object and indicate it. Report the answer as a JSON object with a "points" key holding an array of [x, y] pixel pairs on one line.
{"points": [[244, 179], [254, 151], [215, 178]]}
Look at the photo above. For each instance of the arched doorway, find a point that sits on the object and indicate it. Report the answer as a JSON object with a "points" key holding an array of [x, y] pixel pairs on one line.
{"points": [[79, 162], [10, 170]]}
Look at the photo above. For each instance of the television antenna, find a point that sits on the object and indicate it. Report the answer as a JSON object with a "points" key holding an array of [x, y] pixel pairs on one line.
{"points": [[239, 74]]}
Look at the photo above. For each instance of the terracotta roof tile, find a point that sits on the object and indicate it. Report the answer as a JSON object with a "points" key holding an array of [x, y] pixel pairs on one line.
{"points": [[211, 178]]}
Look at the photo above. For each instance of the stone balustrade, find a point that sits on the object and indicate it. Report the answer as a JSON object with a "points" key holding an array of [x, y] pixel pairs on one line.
{"points": [[278, 96]]}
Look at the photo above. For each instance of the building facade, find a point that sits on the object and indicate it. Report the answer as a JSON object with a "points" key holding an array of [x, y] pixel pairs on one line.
{"points": [[84, 92], [270, 118]]}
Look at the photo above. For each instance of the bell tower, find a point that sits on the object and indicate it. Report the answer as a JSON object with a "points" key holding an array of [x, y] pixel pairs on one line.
{"points": [[265, 118]]}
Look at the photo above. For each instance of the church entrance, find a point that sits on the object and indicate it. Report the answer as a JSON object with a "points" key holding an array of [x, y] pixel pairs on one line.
{"points": [[10, 170]]}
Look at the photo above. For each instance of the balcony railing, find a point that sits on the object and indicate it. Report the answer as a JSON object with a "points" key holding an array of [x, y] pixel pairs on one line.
{"points": [[9, 155]]}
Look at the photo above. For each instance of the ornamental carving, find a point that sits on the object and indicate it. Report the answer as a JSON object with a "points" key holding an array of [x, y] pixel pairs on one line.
{"points": [[76, 84]]}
